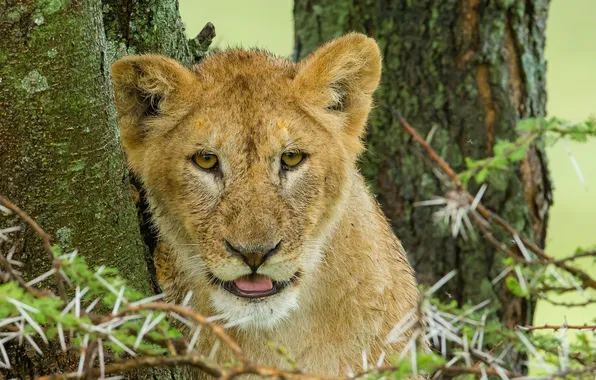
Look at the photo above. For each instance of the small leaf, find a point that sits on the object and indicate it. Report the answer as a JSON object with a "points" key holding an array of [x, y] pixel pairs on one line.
{"points": [[526, 125], [481, 175], [518, 154], [514, 287]]}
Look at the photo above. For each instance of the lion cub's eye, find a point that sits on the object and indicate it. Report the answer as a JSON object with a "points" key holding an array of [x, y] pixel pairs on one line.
{"points": [[291, 159], [205, 161]]}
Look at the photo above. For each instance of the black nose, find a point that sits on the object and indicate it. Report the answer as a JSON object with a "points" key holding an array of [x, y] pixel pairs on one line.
{"points": [[253, 255]]}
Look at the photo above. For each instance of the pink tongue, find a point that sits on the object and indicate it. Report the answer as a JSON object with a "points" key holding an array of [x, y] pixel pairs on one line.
{"points": [[254, 283]]}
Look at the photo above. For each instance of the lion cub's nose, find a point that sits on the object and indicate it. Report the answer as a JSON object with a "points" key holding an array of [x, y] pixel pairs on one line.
{"points": [[253, 255]]}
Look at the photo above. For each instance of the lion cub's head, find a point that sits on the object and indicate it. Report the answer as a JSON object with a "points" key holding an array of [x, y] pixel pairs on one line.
{"points": [[247, 161]]}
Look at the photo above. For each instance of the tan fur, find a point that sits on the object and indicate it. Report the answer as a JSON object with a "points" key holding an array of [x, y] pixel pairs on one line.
{"points": [[248, 107]]}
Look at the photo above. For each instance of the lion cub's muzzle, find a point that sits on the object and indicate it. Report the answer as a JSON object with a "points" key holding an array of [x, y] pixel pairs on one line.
{"points": [[254, 285]]}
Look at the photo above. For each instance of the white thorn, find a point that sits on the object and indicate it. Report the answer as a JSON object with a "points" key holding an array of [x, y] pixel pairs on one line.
{"points": [[61, 337], [121, 345], [501, 275], [431, 202], [187, 298], [522, 280], [478, 197], [118, 300], [148, 299], [442, 282], [143, 330], [214, 350], [237, 322], [574, 163], [92, 305], [381, 359], [194, 339], [522, 247], [33, 344], [41, 277], [102, 364]]}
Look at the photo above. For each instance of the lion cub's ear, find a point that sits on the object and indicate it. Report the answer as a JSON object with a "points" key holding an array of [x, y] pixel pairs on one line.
{"points": [[339, 78], [152, 94]]}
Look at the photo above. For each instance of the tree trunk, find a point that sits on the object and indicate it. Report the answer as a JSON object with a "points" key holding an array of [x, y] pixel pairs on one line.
{"points": [[59, 151], [61, 160], [472, 68]]}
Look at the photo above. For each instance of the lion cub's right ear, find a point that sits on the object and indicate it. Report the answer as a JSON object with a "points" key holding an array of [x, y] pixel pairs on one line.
{"points": [[339, 78], [153, 93]]}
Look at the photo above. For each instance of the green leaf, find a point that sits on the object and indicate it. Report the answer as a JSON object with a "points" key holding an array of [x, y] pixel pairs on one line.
{"points": [[526, 125], [509, 261], [481, 175], [470, 163], [518, 154], [514, 287], [56, 250]]}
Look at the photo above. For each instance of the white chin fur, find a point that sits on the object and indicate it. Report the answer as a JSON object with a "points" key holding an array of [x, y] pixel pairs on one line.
{"points": [[259, 314]]}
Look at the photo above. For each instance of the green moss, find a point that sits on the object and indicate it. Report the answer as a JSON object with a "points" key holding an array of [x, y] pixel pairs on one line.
{"points": [[49, 7]]}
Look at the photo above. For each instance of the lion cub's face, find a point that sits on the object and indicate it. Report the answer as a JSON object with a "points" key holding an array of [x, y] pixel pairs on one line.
{"points": [[247, 160]]}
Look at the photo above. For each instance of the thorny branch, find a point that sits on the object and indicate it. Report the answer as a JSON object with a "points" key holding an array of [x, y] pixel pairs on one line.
{"points": [[543, 258]]}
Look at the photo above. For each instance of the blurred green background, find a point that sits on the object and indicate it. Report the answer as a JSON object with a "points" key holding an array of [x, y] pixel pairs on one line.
{"points": [[571, 82]]}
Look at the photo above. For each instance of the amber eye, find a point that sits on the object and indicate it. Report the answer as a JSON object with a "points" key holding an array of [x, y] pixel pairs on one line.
{"points": [[291, 159], [204, 160]]}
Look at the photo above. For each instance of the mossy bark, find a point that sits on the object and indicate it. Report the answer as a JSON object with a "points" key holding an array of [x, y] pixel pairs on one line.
{"points": [[472, 68], [60, 158]]}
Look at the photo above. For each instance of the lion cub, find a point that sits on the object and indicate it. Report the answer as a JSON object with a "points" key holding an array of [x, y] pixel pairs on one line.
{"points": [[249, 163]]}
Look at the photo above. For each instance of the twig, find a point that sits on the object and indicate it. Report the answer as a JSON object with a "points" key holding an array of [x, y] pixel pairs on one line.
{"points": [[431, 152], [558, 327]]}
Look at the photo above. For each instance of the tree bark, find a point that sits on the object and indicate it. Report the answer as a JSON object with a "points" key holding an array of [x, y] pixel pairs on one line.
{"points": [[472, 68], [60, 158]]}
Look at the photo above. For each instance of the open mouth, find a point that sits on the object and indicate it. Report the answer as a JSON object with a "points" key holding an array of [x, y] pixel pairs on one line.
{"points": [[254, 285]]}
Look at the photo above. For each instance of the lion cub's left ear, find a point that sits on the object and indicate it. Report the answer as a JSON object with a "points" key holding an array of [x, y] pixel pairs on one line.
{"points": [[338, 79]]}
